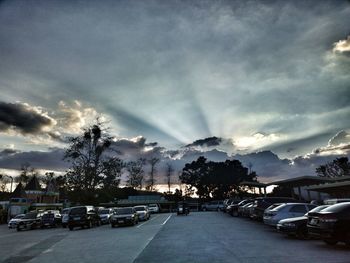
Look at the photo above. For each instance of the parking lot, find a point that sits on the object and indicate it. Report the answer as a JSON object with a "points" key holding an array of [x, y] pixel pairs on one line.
{"points": [[199, 237]]}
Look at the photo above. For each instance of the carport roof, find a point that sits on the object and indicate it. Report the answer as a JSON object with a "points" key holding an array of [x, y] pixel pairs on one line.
{"points": [[331, 187], [301, 181]]}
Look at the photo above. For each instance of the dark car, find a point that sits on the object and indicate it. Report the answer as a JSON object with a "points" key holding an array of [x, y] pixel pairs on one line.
{"points": [[124, 216], [83, 216], [233, 208], [297, 226], [51, 219], [332, 224], [31, 220], [261, 203]]}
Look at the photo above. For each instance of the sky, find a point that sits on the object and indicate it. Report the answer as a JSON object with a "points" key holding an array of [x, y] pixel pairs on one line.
{"points": [[265, 82]]}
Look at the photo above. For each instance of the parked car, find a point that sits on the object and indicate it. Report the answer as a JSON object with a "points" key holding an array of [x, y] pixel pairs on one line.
{"points": [[124, 216], [283, 211], [261, 203], [332, 224], [246, 210], [65, 217], [213, 206], [105, 215], [83, 216], [31, 220], [297, 226], [228, 206], [234, 208], [51, 218], [153, 208], [142, 212], [13, 222]]}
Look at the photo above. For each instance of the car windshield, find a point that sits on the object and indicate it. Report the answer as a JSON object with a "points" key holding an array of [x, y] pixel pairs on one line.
{"points": [[123, 211], [104, 211], [65, 211], [318, 208], [152, 205], [140, 208], [78, 210], [18, 216]]}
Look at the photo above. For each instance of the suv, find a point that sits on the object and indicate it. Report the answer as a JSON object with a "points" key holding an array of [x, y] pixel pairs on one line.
{"points": [[51, 219], [213, 206], [261, 203], [124, 216], [83, 216], [331, 224]]}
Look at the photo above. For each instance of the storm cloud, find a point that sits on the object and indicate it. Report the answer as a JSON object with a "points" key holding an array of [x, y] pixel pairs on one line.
{"points": [[23, 118]]}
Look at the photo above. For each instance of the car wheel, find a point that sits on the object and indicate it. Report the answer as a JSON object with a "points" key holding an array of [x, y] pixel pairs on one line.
{"points": [[112, 225], [71, 228], [89, 224], [18, 229], [204, 209], [234, 213], [331, 242]]}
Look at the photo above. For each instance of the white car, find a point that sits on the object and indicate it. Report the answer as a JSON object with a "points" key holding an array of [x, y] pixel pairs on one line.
{"points": [[13, 222], [153, 208], [105, 215], [287, 210], [143, 212]]}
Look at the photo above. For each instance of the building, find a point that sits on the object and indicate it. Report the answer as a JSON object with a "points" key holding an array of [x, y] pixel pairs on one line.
{"points": [[33, 197]]}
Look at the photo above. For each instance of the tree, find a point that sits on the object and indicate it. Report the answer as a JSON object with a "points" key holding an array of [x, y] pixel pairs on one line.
{"points": [[169, 171], [92, 165], [153, 163], [27, 172], [4, 180], [136, 173], [215, 179], [337, 168]]}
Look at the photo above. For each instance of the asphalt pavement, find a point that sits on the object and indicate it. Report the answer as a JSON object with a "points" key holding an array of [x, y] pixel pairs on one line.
{"points": [[200, 237]]}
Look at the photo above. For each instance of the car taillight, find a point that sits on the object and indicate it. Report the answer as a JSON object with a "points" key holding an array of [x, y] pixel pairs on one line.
{"points": [[328, 219]]}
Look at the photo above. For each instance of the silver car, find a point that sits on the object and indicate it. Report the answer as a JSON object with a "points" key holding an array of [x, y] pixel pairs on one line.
{"points": [[143, 212], [105, 215], [287, 210]]}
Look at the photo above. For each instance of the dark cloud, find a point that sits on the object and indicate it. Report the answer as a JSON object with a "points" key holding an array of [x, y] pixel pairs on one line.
{"points": [[7, 152], [208, 142], [23, 118], [51, 160]]}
